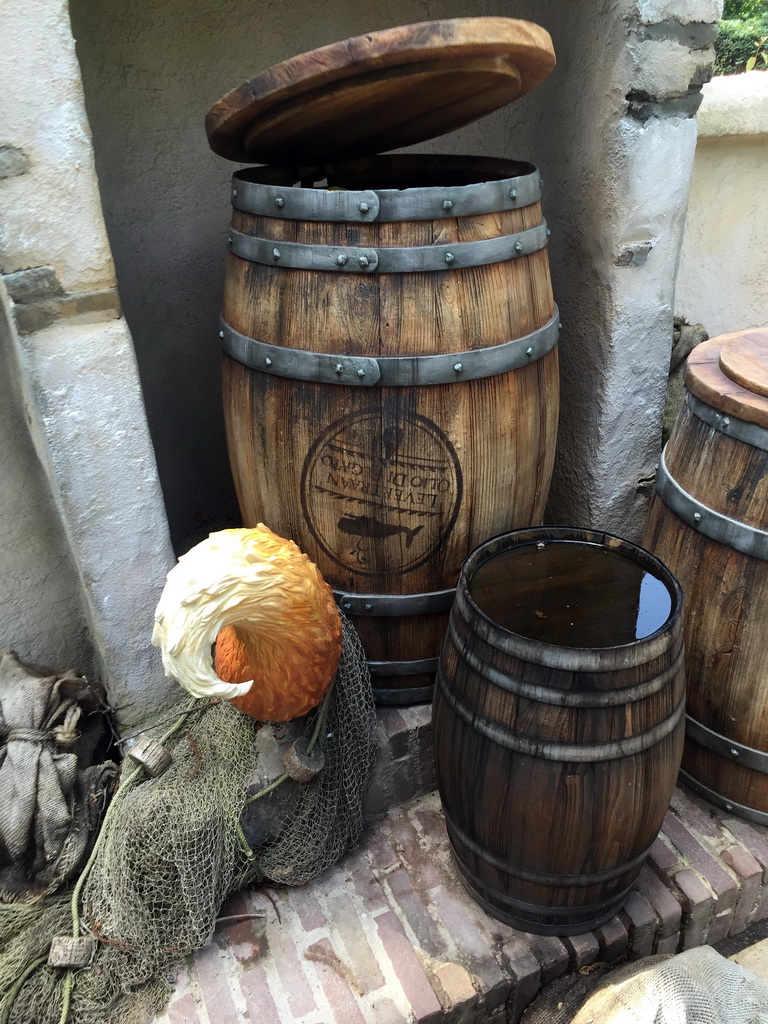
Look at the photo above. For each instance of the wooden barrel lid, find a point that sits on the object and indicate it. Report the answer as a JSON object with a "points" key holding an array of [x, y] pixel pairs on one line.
{"points": [[730, 373], [744, 358], [380, 91]]}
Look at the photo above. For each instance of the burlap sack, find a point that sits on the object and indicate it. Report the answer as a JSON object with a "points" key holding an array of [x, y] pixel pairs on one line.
{"points": [[54, 775]]}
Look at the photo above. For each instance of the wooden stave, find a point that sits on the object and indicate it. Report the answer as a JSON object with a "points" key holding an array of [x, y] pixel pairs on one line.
{"points": [[727, 690], [533, 387], [562, 905]]}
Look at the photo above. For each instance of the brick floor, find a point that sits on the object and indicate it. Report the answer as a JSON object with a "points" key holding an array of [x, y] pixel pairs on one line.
{"points": [[389, 935]]}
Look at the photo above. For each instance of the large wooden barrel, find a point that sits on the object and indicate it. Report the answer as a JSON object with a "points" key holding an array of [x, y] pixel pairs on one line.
{"points": [[556, 758], [709, 522], [391, 379]]}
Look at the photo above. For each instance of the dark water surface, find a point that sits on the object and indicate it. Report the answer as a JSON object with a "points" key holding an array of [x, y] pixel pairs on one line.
{"points": [[571, 594]]}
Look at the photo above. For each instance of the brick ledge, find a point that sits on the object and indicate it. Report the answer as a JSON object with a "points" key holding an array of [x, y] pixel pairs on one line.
{"points": [[389, 935]]}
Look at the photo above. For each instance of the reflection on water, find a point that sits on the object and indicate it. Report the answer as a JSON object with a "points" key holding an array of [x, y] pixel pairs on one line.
{"points": [[572, 594]]}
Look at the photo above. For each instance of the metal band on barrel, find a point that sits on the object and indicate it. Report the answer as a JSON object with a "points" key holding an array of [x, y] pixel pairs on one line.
{"points": [[395, 371], [534, 910], [743, 811], [387, 260], [731, 426], [542, 877], [562, 698], [385, 205], [738, 536], [739, 753], [387, 605], [403, 668], [399, 697], [395, 604], [552, 751]]}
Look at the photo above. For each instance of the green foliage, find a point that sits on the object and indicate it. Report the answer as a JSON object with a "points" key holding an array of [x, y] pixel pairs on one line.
{"points": [[760, 56], [741, 10], [738, 41]]}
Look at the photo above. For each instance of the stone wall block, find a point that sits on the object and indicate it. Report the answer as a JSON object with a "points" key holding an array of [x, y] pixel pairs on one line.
{"points": [[723, 278], [13, 162], [656, 159], [52, 213], [33, 284], [663, 69], [43, 615], [684, 11]]}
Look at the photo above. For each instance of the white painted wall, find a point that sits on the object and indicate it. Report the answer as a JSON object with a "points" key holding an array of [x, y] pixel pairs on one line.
{"points": [[723, 277], [86, 545], [42, 615]]}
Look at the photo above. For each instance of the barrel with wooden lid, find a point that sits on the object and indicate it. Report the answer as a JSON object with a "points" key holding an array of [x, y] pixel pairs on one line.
{"points": [[558, 723], [390, 369], [709, 522]]}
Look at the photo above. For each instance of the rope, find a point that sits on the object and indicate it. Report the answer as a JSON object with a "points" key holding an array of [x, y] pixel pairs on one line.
{"points": [[322, 715], [18, 985], [65, 734], [28, 736]]}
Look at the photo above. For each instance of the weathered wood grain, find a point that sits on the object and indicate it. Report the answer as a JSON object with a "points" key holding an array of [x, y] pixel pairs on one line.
{"points": [[380, 91], [705, 378], [744, 359], [726, 592], [549, 841], [388, 488]]}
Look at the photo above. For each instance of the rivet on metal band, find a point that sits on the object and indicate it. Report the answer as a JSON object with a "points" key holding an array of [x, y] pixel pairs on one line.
{"points": [[731, 426], [384, 205], [395, 604], [742, 810], [750, 757], [738, 536], [394, 371], [390, 259]]}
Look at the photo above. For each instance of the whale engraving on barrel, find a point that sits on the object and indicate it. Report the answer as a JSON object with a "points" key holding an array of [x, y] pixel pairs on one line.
{"points": [[381, 494], [369, 526]]}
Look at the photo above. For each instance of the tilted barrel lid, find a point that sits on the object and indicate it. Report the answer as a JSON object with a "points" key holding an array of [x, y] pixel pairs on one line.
{"points": [[730, 373], [380, 91]]}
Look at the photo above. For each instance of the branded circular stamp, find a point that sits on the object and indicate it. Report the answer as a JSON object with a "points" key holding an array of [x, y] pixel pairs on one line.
{"points": [[381, 493]]}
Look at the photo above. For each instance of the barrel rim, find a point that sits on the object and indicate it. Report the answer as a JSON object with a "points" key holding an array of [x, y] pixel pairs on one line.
{"points": [[589, 659], [494, 168], [387, 190]]}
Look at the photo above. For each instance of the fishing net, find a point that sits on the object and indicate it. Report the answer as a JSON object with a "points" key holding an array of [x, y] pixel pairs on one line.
{"points": [[696, 987], [172, 848]]}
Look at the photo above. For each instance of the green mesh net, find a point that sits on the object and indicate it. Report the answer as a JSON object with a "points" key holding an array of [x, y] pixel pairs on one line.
{"points": [[172, 848]]}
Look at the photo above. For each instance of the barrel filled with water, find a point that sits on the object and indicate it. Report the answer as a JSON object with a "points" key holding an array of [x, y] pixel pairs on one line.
{"points": [[558, 723]]}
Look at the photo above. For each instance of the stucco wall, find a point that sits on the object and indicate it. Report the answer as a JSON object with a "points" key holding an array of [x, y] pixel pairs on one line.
{"points": [[42, 613], [723, 277], [86, 537]]}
